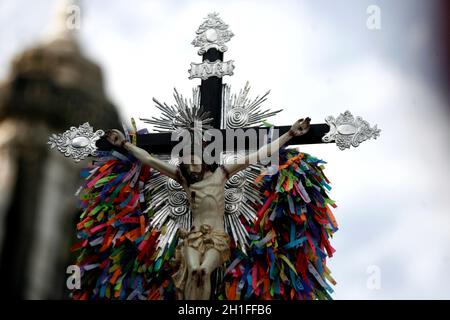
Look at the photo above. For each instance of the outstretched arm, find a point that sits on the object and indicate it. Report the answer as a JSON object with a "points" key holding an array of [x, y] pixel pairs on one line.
{"points": [[300, 127], [116, 138]]}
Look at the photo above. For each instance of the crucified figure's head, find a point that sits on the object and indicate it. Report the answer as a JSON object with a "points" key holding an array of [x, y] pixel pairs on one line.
{"points": [[193, 167]]}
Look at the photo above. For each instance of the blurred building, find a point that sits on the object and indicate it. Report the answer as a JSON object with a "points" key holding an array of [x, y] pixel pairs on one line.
{"points": [[50, 87]]}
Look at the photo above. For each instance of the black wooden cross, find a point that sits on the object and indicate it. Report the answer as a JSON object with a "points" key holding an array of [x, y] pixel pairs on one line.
{"points": [[211, 100], [346, 130], [211, 36]]}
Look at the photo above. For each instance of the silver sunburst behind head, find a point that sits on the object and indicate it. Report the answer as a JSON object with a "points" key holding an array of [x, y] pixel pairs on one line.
{"points": [[184, 115]]}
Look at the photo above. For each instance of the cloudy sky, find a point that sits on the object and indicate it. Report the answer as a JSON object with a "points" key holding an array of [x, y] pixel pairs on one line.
{"points": [[318, 58]]}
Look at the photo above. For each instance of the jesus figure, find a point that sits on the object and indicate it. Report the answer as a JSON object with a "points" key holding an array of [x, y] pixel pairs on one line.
{"points": [[206, 246]]}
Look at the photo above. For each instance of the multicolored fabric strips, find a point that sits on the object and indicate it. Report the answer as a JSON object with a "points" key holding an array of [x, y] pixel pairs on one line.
{"points": [[290, 239], [116, 250]]}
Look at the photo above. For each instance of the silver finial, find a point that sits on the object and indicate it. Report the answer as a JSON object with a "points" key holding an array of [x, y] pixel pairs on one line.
{"points": [[212, 33]]}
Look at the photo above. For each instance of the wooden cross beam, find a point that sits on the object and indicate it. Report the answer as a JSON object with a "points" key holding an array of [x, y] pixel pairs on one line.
{"points": [[161, 143]]}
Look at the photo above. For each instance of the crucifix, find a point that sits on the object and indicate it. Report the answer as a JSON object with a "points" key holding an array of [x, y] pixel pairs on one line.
{"points": [[206, 204]]}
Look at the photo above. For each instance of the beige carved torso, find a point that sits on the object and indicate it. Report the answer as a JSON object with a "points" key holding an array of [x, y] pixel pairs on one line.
{"points": [[207, 199]]}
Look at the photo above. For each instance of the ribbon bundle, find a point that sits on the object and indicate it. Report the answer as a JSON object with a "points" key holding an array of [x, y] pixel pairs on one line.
{"points": [[290, 238], [116, 250]]}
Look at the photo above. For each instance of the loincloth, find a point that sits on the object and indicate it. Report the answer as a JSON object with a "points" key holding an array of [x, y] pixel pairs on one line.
{"points": [[201, 240]]}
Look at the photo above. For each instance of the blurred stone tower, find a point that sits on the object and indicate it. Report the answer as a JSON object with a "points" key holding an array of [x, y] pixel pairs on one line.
{"points": [[51, 87]]}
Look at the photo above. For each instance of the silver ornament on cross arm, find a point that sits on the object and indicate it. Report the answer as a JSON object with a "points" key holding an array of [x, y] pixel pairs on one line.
{"points": [[76, 143], [347, 130]]}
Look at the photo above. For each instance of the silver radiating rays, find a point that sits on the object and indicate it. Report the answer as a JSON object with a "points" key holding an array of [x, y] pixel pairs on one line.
{"points": [[184, 115], [167, 199], [241, 192], [240, 111]]}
